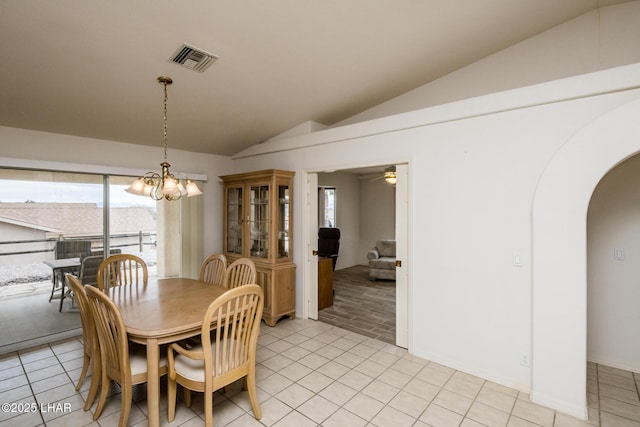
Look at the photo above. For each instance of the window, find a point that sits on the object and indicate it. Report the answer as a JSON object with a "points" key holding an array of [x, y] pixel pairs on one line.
{"points": [[327, 207], [40, 208]]}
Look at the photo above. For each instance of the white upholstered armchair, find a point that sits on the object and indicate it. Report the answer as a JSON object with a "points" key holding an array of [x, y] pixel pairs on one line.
{"points": [[382, 260]]}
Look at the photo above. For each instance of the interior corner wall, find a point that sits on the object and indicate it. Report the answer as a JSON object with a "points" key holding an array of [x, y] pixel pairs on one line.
{"points": [[613, 262]]}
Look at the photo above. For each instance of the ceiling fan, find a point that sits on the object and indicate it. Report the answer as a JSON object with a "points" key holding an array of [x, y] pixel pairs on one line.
{"points": [[389, 175]]}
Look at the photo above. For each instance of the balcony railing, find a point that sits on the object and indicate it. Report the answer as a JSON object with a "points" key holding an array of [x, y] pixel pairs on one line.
{"points": [[97, 243]]}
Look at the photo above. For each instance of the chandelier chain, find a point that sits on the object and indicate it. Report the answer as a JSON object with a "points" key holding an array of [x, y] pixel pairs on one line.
{"points": [[164, 118]]}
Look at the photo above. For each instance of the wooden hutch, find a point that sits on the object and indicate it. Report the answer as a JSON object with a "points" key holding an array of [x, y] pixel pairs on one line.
{"points": [[258, 224]]}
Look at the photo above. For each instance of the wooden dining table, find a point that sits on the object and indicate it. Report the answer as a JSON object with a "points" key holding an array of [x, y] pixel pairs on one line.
{"points": [[162, 311]]}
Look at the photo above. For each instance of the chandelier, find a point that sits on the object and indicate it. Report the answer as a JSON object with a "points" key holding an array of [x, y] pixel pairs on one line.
{"points": [[164, 185]]}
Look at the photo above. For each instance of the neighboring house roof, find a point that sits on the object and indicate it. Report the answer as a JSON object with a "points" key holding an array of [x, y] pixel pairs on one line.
{"points": [[77, 218], [29, 225]]}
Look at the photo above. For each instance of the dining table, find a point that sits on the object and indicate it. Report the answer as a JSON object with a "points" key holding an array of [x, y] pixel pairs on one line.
{"points": [[163, 311]]}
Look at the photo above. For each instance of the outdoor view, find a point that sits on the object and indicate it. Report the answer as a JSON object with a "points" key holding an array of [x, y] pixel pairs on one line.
{"points": [[41, 213]]}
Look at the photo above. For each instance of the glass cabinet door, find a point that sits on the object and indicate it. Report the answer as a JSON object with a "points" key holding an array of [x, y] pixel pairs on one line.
{"points": [[283, 210], [259, 221], [234, 220]]}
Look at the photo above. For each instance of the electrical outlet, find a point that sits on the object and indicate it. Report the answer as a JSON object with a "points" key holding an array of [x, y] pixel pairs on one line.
{"points": [[524, 359]]}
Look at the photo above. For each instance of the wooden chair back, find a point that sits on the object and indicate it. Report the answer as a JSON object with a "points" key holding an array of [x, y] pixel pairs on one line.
{"points": [[213, 268], [236, 316], [89, 337], [229, 337], [112, 334], [122, 269], [241, 272], [117, 363]]}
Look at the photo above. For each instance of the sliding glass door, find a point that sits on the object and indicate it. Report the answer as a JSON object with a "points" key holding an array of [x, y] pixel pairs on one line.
{"points": [[49, 219]]}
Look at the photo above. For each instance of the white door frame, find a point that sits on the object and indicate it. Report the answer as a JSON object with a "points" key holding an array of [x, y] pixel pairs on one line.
{"points": [[310, 233], [402, 255], [310, 244]]}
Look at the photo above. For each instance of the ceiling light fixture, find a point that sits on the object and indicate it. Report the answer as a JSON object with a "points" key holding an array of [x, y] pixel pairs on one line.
{"points": [[390, 175], [164, 185]]}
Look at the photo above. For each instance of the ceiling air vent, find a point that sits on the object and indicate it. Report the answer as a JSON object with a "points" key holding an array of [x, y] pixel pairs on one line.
{"points": [[193, 58]]}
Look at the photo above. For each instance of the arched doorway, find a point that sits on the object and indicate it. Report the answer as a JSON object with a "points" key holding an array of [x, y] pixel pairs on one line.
{"points": [[560, 255]]}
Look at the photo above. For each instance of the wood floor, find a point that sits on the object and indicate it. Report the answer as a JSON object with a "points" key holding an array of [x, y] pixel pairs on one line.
{"points": [[364, 306]]}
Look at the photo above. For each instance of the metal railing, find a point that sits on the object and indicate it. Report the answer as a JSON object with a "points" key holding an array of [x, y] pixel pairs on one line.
{"points": [[95, 239]]}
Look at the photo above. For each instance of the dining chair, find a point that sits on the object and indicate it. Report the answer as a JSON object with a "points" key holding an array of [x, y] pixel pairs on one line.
{"points": [[213, 268], [240, 272], [229, 336], [122, 269], [119, 362], [89, 340]]}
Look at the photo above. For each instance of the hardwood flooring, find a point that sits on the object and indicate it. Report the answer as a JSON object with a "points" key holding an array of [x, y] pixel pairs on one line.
{"points": [[367, 307]]}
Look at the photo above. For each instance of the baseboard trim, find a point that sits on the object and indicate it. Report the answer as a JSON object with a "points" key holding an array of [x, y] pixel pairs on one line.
{"points": [[23, 345]]}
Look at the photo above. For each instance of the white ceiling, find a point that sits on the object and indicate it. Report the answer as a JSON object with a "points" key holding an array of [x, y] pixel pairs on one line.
{"points": [[89, 67]]}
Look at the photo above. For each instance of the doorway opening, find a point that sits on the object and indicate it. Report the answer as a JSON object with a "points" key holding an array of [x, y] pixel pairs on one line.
{"points": [[365, 212], [560, 209]]}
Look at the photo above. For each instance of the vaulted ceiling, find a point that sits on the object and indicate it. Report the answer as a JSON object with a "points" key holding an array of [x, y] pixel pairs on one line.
{"points": [[89, 67]]}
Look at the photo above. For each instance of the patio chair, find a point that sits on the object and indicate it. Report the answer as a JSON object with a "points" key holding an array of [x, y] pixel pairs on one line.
{"points": [[66, 249]]}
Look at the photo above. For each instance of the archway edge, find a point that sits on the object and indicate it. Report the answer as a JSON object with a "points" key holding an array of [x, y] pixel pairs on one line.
{"points": [[559, 294]]}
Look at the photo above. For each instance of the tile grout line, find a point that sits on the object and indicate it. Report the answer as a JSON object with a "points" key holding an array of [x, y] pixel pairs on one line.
{"points": [[33, 394]]}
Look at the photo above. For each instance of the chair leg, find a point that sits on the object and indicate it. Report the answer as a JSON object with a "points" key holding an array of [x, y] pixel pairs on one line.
{"points": [[53, 286], [187, 398], [253, 395], [83, 373], [103, 395], [95, 381], [208, 409], [61, 294], [125, 409], [171, 397]]}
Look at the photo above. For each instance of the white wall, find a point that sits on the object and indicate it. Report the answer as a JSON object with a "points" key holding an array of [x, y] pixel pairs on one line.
{"points": [[109, 157], [595, 41], [377, 215], [476, 166], [347, 214], [613, 289], [473, 183]]}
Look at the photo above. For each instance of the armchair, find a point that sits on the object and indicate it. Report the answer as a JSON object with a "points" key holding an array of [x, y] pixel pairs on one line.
{"points": [[382, 260]]}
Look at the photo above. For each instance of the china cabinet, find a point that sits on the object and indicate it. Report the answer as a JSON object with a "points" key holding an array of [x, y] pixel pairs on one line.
{"points": [[258, 224]]}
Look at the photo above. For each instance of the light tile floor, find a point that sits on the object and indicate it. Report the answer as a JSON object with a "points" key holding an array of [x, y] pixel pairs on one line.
{"points": [[314, 374]]}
